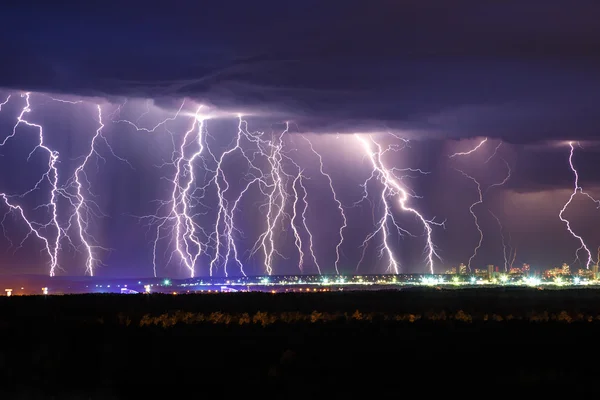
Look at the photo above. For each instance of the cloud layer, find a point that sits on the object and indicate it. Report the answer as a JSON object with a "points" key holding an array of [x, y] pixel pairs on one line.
{"points": [[525, 71]]}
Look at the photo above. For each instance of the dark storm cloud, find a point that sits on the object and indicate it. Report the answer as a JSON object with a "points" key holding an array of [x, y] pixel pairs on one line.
{"points": [[521, 70]]}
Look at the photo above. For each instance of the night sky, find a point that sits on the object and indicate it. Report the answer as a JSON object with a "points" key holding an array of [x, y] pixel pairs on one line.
{"points": [[524, 74]]}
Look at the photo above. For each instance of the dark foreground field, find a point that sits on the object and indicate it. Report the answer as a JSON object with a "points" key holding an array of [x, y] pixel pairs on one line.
{"points": [[467, 343]]}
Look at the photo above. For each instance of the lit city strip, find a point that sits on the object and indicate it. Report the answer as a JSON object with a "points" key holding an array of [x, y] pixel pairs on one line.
{"points": [[490, 277]]}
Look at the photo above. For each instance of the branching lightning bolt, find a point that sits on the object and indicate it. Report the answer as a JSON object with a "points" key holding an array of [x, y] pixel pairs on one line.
{"points": [[304, 224], [337, 201], [480, 201], [224, 213], [153, 129], [187, 236], [273, 184], [297, 237], [276, 200], [51, 176], [392, 188], [576, 189], [187, 243], [84, 209]]}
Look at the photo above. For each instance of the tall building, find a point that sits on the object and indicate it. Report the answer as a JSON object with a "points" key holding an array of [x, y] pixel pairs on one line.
{"points": [[462, 269], [490, 271], [595, 271], [565, 270]]}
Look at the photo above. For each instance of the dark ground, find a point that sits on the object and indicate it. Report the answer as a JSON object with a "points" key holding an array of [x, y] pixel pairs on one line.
{"points": [[92, 346]]}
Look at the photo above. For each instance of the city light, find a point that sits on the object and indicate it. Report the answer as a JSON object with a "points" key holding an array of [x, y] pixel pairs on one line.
{"points": [[558, 280], [532, 281], [318, 283]]}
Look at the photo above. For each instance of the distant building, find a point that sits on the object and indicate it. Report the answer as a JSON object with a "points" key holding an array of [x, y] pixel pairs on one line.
{"points": [[451, 271], [462, 269], [490, 271], [595, 271], [586, 273], [555, 272], [515, 271]]}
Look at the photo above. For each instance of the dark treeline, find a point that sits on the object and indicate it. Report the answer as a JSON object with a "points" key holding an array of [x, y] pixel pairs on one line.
{"points": [[95, 346], [500, 301]]}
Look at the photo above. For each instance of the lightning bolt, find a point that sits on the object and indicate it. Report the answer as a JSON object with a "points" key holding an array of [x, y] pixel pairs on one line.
{"points": [[474, 215], [503, 240], [85, 209], [474, 149], [153, 129], [33, 227], [187, 243], [65, 101], [494, 152], [297, 237], [576, 189], [79, 177], [231, 247], [513, 258], [277, 200], [481, 195], [336, 200], [186, 236], [5, 102], [137, 121], [50, 176], [479, 201], [225, 215], [392, 188], [304, 224]]}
